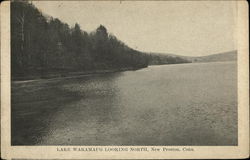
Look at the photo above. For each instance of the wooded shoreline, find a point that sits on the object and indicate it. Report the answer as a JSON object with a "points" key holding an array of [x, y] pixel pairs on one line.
{"points": [[71, 74]]}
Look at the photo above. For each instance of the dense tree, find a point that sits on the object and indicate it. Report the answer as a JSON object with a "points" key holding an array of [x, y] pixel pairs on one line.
{"points": [[41, 45]]}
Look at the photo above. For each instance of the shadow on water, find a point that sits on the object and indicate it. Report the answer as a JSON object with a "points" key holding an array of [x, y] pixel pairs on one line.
{"points": [[34, 105], [92, 119]]}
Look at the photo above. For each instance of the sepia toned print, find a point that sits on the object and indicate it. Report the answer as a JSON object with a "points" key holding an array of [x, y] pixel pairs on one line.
{"points": [[72, 87], [130, 79]]}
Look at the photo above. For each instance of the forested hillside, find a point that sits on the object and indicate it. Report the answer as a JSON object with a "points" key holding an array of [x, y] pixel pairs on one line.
{"points": [[159, 59], [41, 45]]}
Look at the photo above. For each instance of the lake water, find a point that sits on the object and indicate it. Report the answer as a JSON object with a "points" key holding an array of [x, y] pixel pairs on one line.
{"points": [[184, 104]]}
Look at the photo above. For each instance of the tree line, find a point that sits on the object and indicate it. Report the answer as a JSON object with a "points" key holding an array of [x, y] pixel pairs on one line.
{"points": [[159, 59], [41, 44]]}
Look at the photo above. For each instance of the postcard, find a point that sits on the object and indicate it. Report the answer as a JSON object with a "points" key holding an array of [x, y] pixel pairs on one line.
{"points": [[102, 79]]}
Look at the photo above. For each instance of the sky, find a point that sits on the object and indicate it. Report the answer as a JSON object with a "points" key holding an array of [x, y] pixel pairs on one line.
{"points": [[189, 28]]}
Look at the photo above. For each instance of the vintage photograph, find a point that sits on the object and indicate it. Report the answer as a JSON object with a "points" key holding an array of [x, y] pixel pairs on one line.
{"points": [[124, 73]]}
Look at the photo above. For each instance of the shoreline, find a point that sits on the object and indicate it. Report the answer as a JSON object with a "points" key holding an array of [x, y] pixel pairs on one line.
{"points": [[70, 74], [92, 72]]}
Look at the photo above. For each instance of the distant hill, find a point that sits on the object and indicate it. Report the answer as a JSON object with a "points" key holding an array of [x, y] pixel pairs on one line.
{"points": [[160, 59], [225, 56], [167, 58]]}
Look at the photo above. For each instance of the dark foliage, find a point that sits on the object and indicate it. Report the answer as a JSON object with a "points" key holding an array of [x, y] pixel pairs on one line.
{"points": [[41, 45], [158, 59]]}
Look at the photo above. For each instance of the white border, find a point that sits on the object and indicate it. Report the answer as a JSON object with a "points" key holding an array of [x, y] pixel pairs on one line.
{"points": [[208, 152]]}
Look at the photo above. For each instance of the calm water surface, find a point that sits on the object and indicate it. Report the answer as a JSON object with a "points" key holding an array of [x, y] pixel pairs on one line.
{"points": [[184, 104]]}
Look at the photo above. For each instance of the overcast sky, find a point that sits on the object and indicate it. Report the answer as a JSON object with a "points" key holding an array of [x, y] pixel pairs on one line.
{"points": [[188, 28]]}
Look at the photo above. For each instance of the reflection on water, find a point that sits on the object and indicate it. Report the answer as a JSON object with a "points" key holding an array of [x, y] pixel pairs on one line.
{"points": [[188, 104]]}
